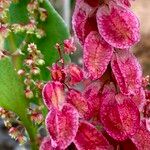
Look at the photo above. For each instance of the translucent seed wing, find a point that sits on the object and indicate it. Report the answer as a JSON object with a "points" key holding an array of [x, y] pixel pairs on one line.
{"points": [[142, 139], [97, 55], [63, 125], [119, 114], [53, 95], [118, 26], [88, 137], [127, 71], [84, 20], [46, 144], [76, 99]]}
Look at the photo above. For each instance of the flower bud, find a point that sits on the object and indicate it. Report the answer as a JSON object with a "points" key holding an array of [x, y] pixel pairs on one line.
{"points": [[21, 72], [43, 14], [29, 62], [40, 62], [28, 93], [74, 73], [57, 73], [35, 71], [69, 46]]}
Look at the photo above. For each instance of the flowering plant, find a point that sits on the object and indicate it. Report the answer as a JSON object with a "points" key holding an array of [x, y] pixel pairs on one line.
{"points": [[103, 105]]}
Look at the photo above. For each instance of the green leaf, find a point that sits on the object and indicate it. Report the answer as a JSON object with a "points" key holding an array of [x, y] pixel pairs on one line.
{"points": [[54, 27], [12, 95]]}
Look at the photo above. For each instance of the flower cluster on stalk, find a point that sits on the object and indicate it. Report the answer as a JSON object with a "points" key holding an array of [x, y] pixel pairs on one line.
{"points": [[105, 104]]}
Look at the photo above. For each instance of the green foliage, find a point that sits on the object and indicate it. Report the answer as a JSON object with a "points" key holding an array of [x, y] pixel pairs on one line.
{"points": [[11, 87]]}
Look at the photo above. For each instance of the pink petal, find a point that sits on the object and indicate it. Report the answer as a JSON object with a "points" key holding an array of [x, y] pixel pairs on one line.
{"points": [[74, 73], [91, 94], [118, 26], [46, 144], [129, 114], [89, 138], [127, 71], [142, 139], [118, 113], [63, 125], [78, 101], [53, 95], [84, 20], [139, 98], [97, 54]]}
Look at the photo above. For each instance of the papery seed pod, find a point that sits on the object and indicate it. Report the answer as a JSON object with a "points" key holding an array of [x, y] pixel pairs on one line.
{"points": [[127, 71], [57, 73], [63, 125], [123, 29], [119, 114], [76, 99], [89, 138], [139, 98], [92, 94], [141, 138], [69, 46], [97, 55], [46, 144], [54, 95], [74, 73], [84, 20]]}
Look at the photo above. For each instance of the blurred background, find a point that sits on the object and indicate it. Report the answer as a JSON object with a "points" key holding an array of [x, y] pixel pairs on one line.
{"points": [[142, 50]]}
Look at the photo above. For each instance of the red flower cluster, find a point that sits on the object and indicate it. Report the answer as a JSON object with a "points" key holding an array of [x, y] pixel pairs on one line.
{"points": [[111, 109]]}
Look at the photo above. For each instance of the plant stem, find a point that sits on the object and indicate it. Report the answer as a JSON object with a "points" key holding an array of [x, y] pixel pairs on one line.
{"points": [[32, 132]]}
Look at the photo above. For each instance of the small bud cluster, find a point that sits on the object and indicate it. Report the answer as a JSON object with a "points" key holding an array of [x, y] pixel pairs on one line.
{"points": [[15, 132], [32, 63], [35, 13], [70, 74], [6, 116], [36, 115], [4, 6]]}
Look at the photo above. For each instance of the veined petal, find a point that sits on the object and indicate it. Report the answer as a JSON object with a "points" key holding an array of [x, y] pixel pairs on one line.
{"points": [[119, 114], [97, 55], [142, 139], [46, 144], [74, 73], [127, 71], [89, 138], [84, 20], [53, 95], [91, 94], [118, 26], [63, 125], [78, 101]]}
